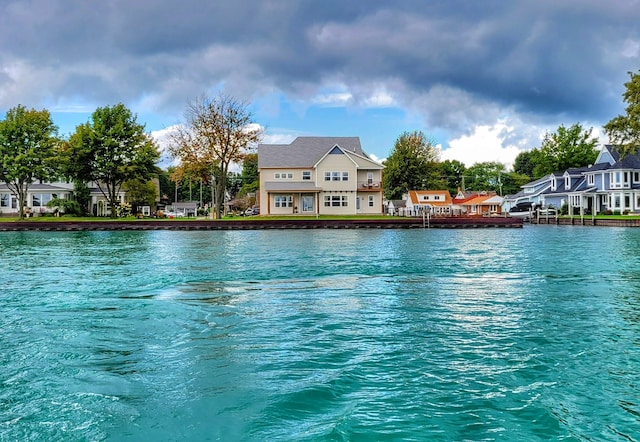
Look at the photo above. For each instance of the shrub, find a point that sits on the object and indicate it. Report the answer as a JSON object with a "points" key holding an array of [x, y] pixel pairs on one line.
{"points": [[69, 207]]}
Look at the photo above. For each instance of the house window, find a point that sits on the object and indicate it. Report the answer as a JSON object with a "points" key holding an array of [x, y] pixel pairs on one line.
{"points": [[283, 175], [619, 180], [567, 182], [636, 177], [335, 176], [591, 179], [336, 201], [276, 176], [370, 200], [284, 201], [369, 177], [327, 176], [345, 176], [553, 183], [5, 199], [306, 175]]}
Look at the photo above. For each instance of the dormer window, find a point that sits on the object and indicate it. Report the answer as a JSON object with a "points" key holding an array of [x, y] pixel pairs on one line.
{"points": [[553, 183], [591, 179], [567, 182]]}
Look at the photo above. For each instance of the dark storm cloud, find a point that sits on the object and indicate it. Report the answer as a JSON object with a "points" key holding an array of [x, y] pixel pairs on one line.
{"points": [[543, 58]]}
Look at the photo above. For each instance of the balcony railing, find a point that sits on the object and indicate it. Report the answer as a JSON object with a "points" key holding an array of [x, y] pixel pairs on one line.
{"points": [[369, 185]]}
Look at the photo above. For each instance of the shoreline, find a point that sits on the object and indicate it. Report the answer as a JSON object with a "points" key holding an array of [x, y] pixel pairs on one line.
{"points": [[264, 224]]}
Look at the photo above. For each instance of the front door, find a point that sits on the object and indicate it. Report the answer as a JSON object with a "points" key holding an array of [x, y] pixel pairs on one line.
{"points": [[307, 203]]}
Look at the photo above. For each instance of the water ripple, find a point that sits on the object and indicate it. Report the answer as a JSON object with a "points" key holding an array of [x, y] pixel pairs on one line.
{"points": [[360, 335]]}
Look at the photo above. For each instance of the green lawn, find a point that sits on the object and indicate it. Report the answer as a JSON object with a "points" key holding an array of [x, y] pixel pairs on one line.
{"points": [[68, 218]]}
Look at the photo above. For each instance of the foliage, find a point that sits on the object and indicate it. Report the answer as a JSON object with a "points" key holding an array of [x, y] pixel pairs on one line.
{"points": [[412, 165], [68, 207], [624, 130], [83, 195], [141, 192], [28, 140], [250, 169], [110, 150], [122, 210], [512, 182], [452, 172], [250, 175], [564, 149], [217, 132], [234, 183], [246, 189], [525, 162], [485, 176]]}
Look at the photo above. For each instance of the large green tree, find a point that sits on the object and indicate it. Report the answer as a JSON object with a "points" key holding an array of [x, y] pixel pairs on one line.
{"points": [[565, 148], [512, 182], [111, 149], [624, 130], [485, 176], [250, 176], [141, 192], [525, 162], [28, 142], [217, 131], [412, 165], [452, 172]]}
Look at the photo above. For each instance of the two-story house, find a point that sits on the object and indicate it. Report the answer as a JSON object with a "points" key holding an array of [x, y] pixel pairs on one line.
{"points": [[319, 175], [611, 183]]}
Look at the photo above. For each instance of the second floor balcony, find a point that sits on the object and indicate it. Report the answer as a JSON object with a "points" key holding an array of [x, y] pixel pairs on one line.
{"points": [[369, 185]]}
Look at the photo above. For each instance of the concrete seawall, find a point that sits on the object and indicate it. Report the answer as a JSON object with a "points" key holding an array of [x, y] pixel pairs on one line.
{"points": [[587, 221], [265, 223]]}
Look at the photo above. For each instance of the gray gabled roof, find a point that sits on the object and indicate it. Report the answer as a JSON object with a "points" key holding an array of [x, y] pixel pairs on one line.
{"points": [[305, 151], [33, 187]]}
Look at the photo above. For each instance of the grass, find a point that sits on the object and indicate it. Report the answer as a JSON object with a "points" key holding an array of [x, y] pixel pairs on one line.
{"points": [[69, 218]]}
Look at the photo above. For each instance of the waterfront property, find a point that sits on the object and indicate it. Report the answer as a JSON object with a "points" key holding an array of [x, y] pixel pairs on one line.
{"points": [[38, 195], [477, 203], [41, 193], [612, 183], [319, 176], [440, 203], [434, 202]]}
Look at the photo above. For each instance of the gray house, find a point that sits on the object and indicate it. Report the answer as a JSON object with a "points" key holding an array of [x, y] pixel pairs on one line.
{"points": [[611, 183]]}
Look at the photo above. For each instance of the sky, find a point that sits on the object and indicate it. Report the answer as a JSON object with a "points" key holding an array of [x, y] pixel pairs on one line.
{"points": [[483, 80]]}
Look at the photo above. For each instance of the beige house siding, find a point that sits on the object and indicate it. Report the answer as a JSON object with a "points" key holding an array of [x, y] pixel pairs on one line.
{"points": [[347, 191]]}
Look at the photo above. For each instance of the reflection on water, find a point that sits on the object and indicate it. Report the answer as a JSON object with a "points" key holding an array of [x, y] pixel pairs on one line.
{"points": [[515, 334]]}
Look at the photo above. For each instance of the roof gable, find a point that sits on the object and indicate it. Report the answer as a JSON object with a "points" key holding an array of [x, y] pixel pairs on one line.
{"points": [[306, 151]]}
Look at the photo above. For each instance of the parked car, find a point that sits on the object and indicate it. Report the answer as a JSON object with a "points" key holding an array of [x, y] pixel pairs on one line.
{"points": [[252, 211]]}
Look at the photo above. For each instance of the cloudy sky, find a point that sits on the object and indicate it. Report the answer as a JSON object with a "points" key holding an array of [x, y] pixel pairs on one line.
{"points": [[483, 79]]}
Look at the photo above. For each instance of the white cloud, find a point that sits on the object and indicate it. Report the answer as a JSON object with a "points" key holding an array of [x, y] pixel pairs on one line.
{"points": [[162, 138], [486, 143], [337, 99], [381, 99]]}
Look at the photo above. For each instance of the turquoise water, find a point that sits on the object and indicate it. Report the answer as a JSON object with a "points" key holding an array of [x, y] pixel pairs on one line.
{"points": [[324, 335]]}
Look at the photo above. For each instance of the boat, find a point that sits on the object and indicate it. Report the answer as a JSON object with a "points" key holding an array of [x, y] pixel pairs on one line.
{"points": [[521, 210]]}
